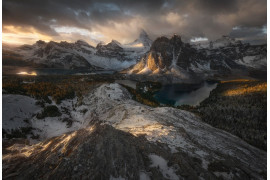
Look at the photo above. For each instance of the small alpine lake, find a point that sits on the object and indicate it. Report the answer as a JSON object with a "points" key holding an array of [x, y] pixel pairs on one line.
{"points": [[184, 94]]}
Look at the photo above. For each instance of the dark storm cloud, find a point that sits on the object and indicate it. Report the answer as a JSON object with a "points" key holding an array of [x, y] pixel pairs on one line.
{"points": [[239, 32], [193, 18], [252, 35], [217, 6]]}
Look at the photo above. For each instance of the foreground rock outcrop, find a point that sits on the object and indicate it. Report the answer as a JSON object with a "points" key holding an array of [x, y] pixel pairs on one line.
{"points": [[121, 138]]}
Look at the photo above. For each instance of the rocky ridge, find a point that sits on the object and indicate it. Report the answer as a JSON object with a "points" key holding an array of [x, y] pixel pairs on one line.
{"points": [[121, 138]]}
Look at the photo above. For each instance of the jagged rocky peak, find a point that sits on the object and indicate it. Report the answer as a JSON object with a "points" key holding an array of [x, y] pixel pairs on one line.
{"points": [[176, 40], [49, 46], [81, 42], [160, 44], [25, 47], [143, 34], [51, 43], [162, 57], [142, 39], [163, 43], [224, 41], [100, 44], [115, 42], [166, 49], [114, 45], [177, 46], [65, 44], [41, 43], [111, 50], [227, 38]]}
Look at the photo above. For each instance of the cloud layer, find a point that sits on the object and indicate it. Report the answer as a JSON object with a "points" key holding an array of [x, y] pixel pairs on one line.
{"points": [[94, 20]]}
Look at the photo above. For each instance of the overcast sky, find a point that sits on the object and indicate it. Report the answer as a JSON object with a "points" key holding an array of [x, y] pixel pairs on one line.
{"points": [[100, 20]]}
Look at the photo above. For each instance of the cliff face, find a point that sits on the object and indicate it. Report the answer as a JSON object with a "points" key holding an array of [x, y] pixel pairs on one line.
{"points": [[152, 62], [221, 57], [166, 51]]}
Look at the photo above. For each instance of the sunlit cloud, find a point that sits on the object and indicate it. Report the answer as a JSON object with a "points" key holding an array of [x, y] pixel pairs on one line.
{"points": [[18, 36], [174, 18], [27, 73], [121, 20], [83, 32], [124, 32]]}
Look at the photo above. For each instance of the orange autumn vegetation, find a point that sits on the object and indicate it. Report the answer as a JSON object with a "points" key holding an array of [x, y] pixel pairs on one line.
{"points": [[245, 88], [237, 80]]}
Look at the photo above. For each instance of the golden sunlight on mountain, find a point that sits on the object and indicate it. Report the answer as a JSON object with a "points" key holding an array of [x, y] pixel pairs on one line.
{"points": [[138, 45], [151, 62]]}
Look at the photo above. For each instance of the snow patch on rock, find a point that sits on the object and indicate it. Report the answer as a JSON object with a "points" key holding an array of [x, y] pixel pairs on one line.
{"points": [[161, 164], [16, 110]]}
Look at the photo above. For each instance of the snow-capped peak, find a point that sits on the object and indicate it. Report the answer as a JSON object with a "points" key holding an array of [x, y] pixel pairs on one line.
{"points": [[116, 42], [40, 43], [143, 35], [82, 42], [223, 41], [143, 39]]}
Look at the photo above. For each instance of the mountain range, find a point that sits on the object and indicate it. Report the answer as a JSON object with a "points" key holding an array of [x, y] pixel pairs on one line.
{"points": [[164, 56], [223, 56], [111, 56]]}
